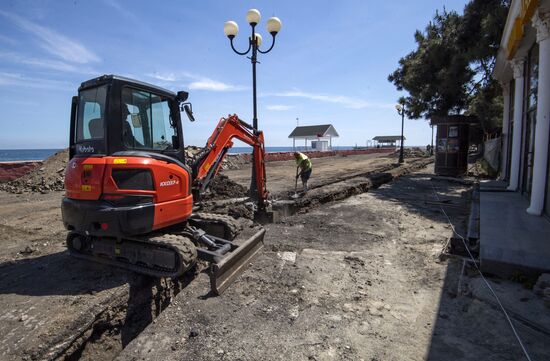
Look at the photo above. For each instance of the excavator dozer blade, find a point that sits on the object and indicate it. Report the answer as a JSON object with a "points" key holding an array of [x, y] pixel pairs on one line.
{"points": [[222, 274]]}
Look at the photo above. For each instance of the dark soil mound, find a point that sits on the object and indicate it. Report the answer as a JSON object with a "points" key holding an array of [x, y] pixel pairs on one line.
{"points": [[223, 187]]}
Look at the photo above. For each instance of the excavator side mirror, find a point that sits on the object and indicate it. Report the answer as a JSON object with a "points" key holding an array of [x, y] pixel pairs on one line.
{"points": [[182, 96], [189, 111]]}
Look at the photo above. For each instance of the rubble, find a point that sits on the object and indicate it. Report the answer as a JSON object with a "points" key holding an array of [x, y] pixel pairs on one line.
{"points": [[543, 282], [542, 288], [48, 177], [231, 161], [415, 152]]}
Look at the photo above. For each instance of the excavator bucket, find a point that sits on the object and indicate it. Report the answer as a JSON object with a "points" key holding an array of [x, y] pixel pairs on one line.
{"points": [[224, 272]]}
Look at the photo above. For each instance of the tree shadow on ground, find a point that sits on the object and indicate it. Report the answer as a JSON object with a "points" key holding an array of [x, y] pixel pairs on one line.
{"points": [[425, 195], [463, 328]]}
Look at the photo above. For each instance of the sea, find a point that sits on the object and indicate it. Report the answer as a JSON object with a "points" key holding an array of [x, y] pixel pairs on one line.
{"points": [[10, 155]]}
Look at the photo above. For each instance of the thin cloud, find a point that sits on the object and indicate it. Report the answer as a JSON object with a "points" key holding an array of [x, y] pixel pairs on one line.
{"points": [[7, 39], [58, 65], [55, 43], [171, 76], [348, 102], [121, 10], [213, 85], [195, 82], [279, 107], [15, 79], [46, 63]]}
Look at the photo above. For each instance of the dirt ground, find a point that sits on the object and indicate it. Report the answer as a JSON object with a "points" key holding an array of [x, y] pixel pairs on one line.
{"points": [[281, 175], [358, 278]]}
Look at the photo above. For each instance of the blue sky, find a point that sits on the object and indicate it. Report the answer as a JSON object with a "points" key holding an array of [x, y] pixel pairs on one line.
{"points": [[329, 65]]}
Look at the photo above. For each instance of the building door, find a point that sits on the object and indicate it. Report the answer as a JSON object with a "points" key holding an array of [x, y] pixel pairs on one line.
{"points": [[529, 118]]}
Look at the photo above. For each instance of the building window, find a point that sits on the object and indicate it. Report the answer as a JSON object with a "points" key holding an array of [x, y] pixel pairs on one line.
{"points": [[529, 118]]}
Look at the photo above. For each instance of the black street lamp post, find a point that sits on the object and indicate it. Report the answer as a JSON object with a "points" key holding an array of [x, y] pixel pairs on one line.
{"points": [[231, 29], [401, 111]]}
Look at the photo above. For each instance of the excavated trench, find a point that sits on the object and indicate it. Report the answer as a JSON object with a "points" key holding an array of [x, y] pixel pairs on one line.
{"points": [[127, 315], [284, 204], [341, 189], [121, 321]]}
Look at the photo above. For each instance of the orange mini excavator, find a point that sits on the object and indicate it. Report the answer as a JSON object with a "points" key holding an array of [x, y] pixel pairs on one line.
{"points": [[130, 194]]}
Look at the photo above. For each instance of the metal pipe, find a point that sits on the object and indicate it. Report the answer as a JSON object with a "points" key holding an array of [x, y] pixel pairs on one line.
{"points": [[401, 158]]}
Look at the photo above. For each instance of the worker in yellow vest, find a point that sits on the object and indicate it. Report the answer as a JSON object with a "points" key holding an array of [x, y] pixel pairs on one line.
{"points": [[303, 168]]}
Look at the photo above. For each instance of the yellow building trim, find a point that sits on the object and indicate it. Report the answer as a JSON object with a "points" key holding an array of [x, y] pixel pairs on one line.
{"points": [[528, 8], [515, 37]]}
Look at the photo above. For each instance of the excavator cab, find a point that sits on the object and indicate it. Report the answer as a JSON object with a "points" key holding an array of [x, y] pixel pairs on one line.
{"points": [[113, 114], [129, 195]]}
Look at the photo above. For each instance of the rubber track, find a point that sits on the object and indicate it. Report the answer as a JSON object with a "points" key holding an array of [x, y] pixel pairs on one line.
{"points": [[229, 222], [186, 248], [182, 245]]}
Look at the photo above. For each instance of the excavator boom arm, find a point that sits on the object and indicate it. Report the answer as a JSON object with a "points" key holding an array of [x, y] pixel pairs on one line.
{"points": [[210, 160]]}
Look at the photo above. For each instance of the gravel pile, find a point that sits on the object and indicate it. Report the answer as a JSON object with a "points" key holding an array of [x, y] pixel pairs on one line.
{"points": [[51, 176], [231, 161], [48, 177], [236, 161], [415, 152]]}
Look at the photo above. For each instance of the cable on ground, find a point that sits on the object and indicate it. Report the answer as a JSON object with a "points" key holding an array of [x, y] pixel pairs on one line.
{"points": [[484, 279]]}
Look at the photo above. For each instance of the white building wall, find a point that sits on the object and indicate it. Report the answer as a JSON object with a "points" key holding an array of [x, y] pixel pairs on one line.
{"points": [[505, 130], [541, 22], [518, 66]]}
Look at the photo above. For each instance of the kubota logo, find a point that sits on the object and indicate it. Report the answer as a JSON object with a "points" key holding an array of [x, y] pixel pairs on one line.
{"points": [[169, 183], [85, 149]]}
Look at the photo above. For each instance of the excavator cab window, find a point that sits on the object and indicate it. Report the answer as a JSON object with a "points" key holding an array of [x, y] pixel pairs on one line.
{"points": [[146, 121], [89, 131]]}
